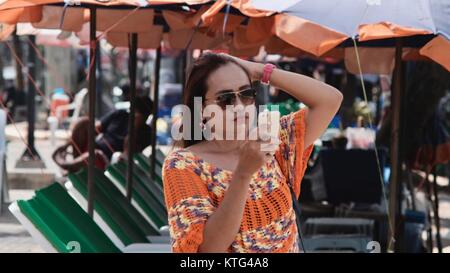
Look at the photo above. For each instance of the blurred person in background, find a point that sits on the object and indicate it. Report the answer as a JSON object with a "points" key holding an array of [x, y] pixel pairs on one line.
{"points": [[111, 130]]}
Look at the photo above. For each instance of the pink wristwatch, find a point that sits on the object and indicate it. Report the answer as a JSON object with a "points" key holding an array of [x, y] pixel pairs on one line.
{"points": [[267, 71]]}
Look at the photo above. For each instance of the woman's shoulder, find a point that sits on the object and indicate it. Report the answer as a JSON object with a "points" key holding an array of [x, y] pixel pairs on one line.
{"points": [[293, 124], [285, 120], [181, 166], [179, 158]]}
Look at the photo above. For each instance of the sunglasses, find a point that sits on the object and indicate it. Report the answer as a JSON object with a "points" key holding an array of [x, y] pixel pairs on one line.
{"points": [[247, 96]]}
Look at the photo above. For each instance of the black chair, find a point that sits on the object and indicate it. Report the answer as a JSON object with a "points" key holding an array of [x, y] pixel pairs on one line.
{"points": [[352, 176]]}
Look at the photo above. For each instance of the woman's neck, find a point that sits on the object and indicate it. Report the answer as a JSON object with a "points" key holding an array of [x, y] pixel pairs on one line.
{"points": [[225, 146]]}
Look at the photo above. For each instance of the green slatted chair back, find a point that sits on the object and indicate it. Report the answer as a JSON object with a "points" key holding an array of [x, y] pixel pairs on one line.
{"points": [[144, 179], [160, 156], [144, 163], [61, 220], [150, 201], [113, 208]]}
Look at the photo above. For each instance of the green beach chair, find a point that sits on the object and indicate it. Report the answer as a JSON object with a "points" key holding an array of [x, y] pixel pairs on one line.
{"points": [[160, 156], [120, 220], [58, 224], [144, 163], [146, 196], [143, 178]]}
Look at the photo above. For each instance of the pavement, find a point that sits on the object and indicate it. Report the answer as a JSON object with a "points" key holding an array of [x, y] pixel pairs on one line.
{"points": [[22, 182], [13, 237], [31, 178]]}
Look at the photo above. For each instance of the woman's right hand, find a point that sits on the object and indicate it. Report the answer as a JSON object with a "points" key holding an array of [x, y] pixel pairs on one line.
{"points": [[251, 158], [223, 225]]}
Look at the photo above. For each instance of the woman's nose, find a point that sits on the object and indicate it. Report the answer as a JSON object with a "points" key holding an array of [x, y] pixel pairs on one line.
{"points": [[238, 101]]}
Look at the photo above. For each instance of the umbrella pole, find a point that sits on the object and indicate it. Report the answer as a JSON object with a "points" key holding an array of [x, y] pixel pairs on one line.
{"points": [[437, 221], [155, 110], [99, 105], [31, 96], [92, 98], [430, 220], [396, 159], [131, 132], [31, 157], [187, 63], [183, 67]]}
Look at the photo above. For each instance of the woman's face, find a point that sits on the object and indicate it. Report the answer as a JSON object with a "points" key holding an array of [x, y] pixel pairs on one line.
{"points": [[225, 80]]}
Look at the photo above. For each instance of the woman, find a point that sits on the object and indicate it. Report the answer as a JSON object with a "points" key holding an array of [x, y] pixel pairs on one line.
{"points": [[228, 195]]}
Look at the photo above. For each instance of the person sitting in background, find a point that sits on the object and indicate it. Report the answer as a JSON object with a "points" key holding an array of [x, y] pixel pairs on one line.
{"points": [[114, 127], [111, 132], [139, 145], [73, 155]]}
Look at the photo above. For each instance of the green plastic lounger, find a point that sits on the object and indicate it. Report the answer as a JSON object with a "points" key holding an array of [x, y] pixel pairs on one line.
{"points": [[143, 180], [160, 156], [59, 224], [144, 163], [147, 200], [120, 220], [145, 176]]}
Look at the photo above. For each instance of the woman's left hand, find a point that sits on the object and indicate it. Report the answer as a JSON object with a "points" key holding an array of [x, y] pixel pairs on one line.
{"points": [[255, 70]]}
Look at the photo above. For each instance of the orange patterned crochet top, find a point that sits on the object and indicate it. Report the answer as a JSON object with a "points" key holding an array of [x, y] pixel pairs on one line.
{"points": [[194, 188]]}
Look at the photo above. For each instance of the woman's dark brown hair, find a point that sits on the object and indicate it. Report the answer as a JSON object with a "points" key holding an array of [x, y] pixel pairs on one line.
{"points": [[197, 85]]}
